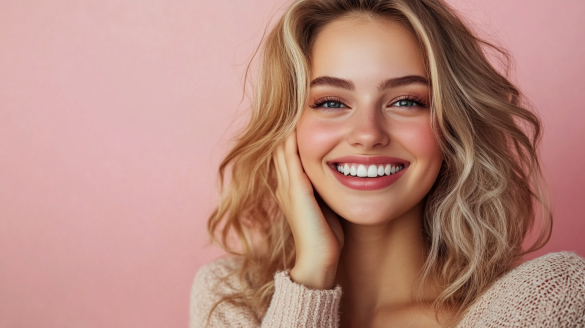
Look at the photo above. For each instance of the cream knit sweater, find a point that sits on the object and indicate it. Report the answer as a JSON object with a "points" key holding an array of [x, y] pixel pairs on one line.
{"points": [[545, 292]]}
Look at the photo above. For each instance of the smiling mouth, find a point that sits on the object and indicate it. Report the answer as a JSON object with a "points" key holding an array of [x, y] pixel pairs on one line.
{"points": [[367, 171]]}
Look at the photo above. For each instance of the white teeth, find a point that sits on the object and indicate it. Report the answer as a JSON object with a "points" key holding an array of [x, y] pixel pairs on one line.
{"points": [[368, 171], [372, 171], [361, 171]]}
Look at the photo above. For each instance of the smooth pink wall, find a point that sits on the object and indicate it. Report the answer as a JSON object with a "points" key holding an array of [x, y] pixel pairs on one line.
{"points": [[115, 114]]}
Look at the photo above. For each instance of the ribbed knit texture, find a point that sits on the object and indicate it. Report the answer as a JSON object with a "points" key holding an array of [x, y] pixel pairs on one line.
{"points": [[295, 305], [548, 291]]}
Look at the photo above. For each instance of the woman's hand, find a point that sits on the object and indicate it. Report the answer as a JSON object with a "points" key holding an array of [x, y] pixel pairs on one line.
{"points": [[316, 229]]}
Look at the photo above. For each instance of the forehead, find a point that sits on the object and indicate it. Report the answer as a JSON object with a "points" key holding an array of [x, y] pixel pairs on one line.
{"points": [[363, 49]]}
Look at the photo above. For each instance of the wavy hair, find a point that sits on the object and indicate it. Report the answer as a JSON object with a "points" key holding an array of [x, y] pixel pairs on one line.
{"points": [[482, 206]]}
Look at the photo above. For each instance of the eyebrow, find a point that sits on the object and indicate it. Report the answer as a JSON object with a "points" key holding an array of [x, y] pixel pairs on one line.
{"points": [[389, 83]]}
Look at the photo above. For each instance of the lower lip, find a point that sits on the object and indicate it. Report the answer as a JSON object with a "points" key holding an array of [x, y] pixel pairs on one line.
{"points": [[367, 183]]}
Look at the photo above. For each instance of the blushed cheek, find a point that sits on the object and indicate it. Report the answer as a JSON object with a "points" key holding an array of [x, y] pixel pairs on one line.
{"points": [[418, 138], [316, 138]]}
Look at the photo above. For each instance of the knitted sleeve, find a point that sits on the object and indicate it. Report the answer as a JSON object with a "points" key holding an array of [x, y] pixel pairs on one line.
{"points": [[292, 305]]}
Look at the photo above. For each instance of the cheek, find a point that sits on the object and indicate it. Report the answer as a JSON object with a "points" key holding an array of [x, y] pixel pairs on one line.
{"points": [[424, 143], [315, 139], [418, 138]]}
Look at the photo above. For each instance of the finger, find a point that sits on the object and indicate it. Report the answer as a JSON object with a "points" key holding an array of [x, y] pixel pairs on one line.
{"points": [[283, 167], [280, 166], [294, 165], [276, 169]]}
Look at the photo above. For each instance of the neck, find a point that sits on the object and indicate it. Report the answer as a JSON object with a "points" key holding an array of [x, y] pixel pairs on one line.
{"points": [[379, 265]]}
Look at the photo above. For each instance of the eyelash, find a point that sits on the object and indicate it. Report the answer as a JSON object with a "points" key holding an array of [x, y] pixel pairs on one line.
{"points": [[321, 101], [417, 100]]}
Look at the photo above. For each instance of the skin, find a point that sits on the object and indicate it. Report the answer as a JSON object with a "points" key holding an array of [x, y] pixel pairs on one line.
{"points": [[369, 242]]}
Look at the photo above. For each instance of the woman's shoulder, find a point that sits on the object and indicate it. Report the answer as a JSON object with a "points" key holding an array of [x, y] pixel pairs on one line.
{"points": [[546, 291], [554, 261], [552, 273], [218, 269], [217, 278], [212, 282]]}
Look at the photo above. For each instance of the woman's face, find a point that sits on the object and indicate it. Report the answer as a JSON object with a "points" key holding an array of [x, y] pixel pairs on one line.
{"points": [[367, 116]]}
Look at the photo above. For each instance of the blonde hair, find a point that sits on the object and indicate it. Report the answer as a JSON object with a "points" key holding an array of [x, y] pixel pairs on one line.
{"points": [[481, 207]]}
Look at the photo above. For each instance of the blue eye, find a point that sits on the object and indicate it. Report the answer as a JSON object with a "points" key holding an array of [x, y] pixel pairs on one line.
{"points": [[329, 103], [409, 101], [405, 103], [332, 104]]}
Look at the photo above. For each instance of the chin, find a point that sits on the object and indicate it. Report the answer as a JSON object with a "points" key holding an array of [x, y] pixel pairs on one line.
{"points": [[367, 213], [369, 219]]}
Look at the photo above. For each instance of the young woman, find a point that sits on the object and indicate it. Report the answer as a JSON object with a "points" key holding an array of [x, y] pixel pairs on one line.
{"points": [[388, 160]]}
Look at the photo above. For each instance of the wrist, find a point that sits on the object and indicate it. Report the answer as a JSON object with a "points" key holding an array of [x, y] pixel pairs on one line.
{"points": [[314, 278]]}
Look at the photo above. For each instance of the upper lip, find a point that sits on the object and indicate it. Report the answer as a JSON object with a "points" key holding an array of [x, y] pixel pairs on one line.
{"points": [[369, 160]]}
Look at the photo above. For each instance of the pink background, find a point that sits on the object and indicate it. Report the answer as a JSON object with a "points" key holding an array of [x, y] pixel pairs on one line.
{"points": [[115, 114]]}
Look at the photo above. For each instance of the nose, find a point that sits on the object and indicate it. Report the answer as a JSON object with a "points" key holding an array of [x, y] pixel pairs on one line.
{"points": [[368, 130]]}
